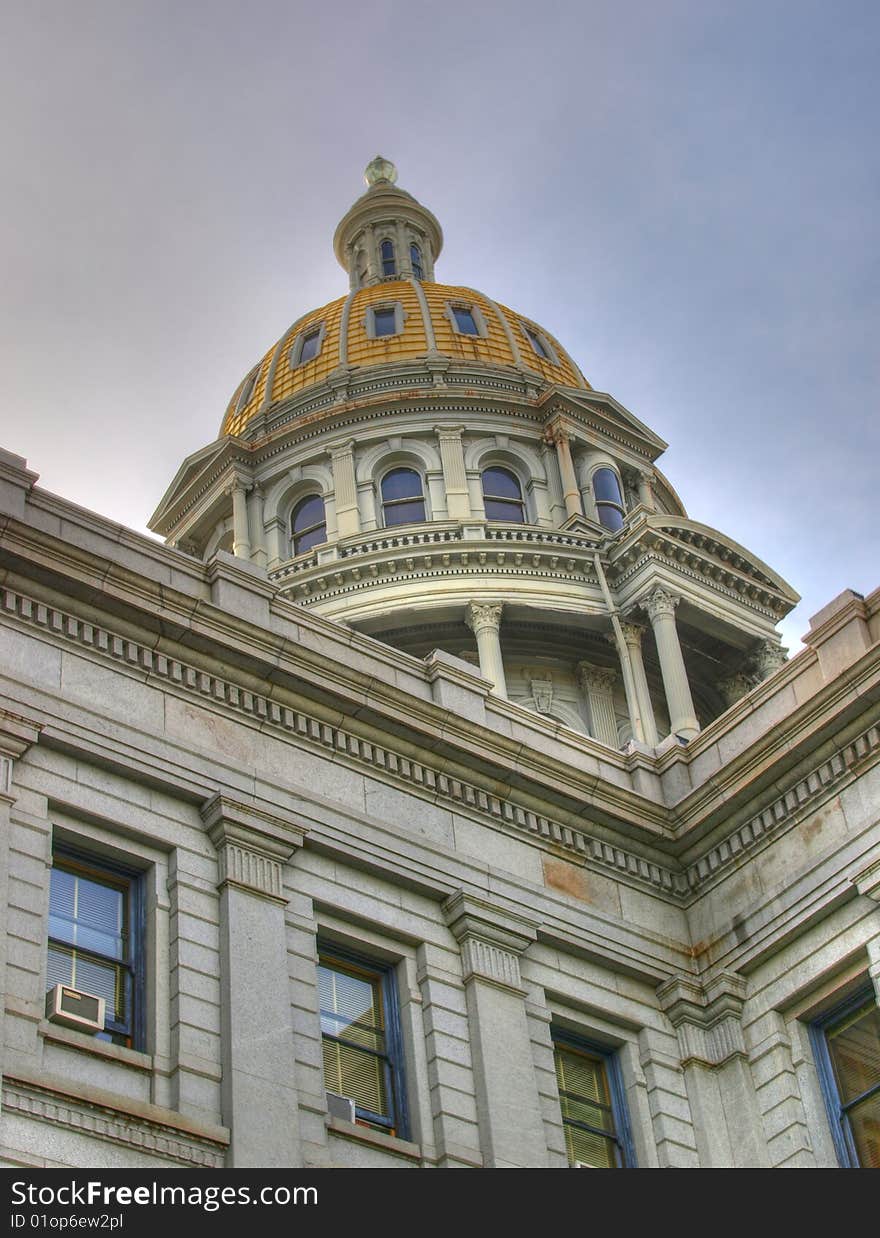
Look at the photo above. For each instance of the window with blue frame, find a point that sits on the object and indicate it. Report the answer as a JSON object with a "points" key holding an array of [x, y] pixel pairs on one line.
{"points": [[415, 257], [465, 321], [609, 500], [502, 496], [360, 1035], [389, 262], [592, 1102], [96, 939], [308, 524], [847, 1047]]}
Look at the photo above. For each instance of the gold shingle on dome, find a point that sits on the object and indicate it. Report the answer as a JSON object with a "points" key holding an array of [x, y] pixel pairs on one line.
{"points": [[383, 217]]}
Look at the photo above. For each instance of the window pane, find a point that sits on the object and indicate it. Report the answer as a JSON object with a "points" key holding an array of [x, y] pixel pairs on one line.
{"points": [[86, 913], [497, 509], [465, 321], [501, 484], [405, 513], [351, 1008], [865, 1122], [415, 255], [310, 346], [855, 1051], [590, 1149], [305, 541], [384, 322], [308, 513], [605, 487], [352, 1011], [355, 1074], [610, 517], [401, 484], [537, 343], [389, 266], [585, 1102]]}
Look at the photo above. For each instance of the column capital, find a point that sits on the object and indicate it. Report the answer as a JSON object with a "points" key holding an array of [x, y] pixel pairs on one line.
{"points": [[660, 602], [491, 938], [599, 678], [341, 447], [480, 616], [632, 632], [252, 845], [449, 432], [706, 1014], [769, 657], [17, 734], [735, 687], [558, 430]]}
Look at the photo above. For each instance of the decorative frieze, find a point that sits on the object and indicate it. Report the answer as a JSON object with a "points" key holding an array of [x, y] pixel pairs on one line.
{"points": [[101, 1121], [421, 778]]}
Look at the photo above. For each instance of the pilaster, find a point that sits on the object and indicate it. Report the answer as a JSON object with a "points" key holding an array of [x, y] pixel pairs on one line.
{"points": [[598, 687], [260, 1103], [509, 1116], [458, 504], [348, 519]]}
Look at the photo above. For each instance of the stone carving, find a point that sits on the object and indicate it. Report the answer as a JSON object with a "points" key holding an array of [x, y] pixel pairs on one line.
{"points": [[596, 678], [481, 616], [659, 603], [706, 1016], [734, 687], [769, 658], [542, 694]]}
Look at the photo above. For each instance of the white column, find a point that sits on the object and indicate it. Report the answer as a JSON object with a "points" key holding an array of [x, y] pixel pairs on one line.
{"points": [[260, 1103], [632, 635], [646, 494], [660, 606], [509, 1115], [559, 436], [598, 685], [348, 520], [458, 503], [484, 620], [255, 526], [241, 542]]}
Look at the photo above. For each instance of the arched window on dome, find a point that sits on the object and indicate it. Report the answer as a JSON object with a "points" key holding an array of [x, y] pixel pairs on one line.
{"points": [[609, 500], [502, 496], [247, 389], [403, 500], [360, 266], [389, 263], [308, 524], [415, 257]]}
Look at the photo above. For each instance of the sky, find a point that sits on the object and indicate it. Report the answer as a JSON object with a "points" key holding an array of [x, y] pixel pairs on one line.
{"points": [[684, 192]]}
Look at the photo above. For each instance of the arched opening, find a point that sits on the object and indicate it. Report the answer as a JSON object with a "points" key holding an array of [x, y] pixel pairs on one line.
{"points": [[403, 499], [502, 496]]}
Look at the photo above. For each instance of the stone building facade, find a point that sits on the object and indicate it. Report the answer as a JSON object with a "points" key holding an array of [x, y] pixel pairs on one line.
{"points": [[438, 793]]}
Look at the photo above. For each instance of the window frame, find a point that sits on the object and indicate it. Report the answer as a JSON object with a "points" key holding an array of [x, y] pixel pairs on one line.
{"points": [[539, 343], [394, 307], [296, 351], [416, 261], [248, 387], [397, 1125], [386, 262], [841, 1131], [600, 503], [295, 535], [504, 468], [386, 503], [614, 1076], [90, 864], [476, 314]]}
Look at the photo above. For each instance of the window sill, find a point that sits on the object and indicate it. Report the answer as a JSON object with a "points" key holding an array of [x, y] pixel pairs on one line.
{"points": [[89, 1044], [375, 1139]]}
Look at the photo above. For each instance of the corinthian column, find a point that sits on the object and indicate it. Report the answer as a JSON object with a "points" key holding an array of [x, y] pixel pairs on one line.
{"points": [[632, 635], [484, 620], [559, 436], [660, 606]]}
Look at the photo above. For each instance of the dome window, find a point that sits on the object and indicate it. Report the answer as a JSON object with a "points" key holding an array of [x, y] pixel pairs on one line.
{"points": [[307, 345], [502, 496], [402, 498], [389, 262], [609, 500], [541, 346], [247, 389], [415, 258], [308, 525], [464, 320], [386, 318], [360, 266]]}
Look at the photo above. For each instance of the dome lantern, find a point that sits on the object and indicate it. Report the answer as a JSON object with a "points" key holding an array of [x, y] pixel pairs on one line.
{"points": [[387, 234]]}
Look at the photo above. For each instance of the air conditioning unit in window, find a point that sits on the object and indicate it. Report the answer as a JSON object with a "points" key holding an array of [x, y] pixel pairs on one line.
{"points": [[71, 1008], [582, 1165], [341, 1106]]}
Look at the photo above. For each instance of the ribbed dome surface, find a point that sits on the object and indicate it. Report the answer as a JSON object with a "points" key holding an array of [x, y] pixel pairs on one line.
{"points": [[506, 342]]}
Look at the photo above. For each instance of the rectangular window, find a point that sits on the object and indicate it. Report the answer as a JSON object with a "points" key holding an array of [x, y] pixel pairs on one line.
{"points": [[384, 322], [464, 320], [536, 342], [310, 346], [847, 1044], [591, 1099], [96, 940], [360, 1034]]}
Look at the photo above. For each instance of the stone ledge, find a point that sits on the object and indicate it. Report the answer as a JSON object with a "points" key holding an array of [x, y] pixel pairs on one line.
{"points": [[84, 1043], [375, 1139]]}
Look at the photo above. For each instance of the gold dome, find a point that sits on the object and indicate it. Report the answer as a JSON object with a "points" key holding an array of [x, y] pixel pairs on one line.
{"points": [[506, 339]]}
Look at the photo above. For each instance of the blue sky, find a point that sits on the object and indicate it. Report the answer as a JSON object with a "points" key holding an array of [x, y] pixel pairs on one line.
{"points": [[684, 192]]}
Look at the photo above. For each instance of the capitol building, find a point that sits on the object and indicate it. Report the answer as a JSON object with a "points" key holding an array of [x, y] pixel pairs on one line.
{"points": [[437, 792]]}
